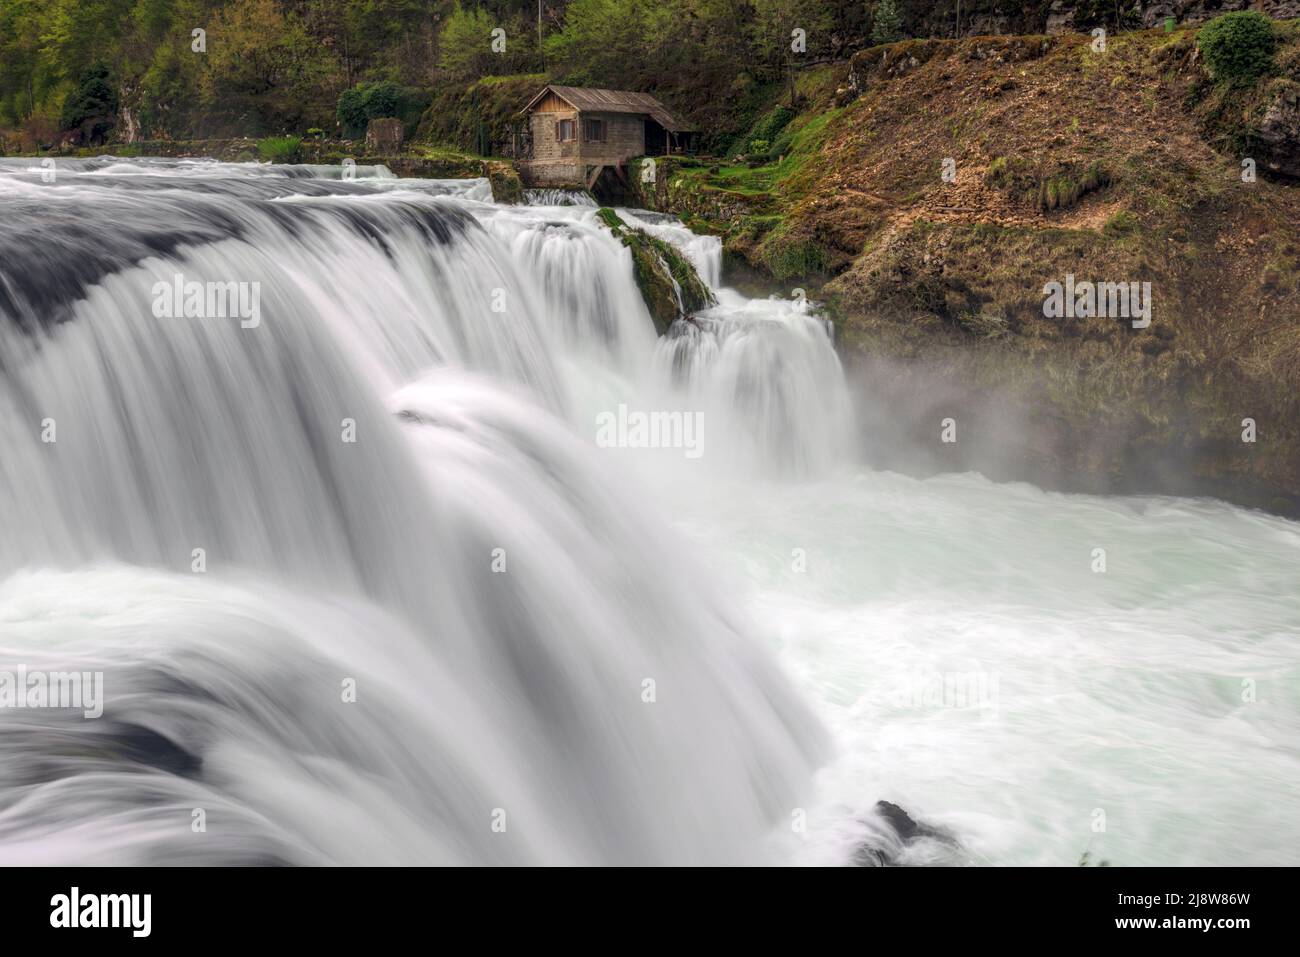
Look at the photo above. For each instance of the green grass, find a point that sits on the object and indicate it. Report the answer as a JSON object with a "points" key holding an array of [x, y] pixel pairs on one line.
{"points": [[1122, 223], [750, 181], [281, 149]]}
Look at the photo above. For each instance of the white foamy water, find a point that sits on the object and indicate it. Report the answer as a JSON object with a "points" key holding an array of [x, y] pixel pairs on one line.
{"points": [[562, 652]]}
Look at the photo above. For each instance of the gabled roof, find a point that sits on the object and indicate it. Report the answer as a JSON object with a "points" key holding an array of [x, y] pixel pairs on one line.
{"points": [[588, 99]]}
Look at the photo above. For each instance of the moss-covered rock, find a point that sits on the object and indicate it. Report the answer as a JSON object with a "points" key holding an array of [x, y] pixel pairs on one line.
{"points": [[504, 179], [668, 282]]}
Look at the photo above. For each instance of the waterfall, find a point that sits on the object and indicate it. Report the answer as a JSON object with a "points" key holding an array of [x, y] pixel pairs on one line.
{"points": [[393, 534], [385, 487], [558, 197]]}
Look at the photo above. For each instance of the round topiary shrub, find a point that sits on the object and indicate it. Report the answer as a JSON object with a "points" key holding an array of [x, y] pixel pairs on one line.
{"points": [[1238, 47]]}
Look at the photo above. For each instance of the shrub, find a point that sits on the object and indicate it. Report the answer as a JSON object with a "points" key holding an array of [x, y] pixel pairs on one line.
{"points": [[281, 149], [1238, 47], [1066, 189]]}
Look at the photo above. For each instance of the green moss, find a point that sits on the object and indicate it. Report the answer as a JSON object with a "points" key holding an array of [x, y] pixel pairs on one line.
{"points": [[612, 220], [1122, 223], [787, 256], [504, 179]]}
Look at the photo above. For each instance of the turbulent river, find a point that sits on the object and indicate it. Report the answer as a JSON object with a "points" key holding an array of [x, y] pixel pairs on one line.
{"points": [[382, 566]]}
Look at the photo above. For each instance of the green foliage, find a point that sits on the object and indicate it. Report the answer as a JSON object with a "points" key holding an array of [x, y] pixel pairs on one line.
{"points": [[91, 107], [281, 149], [273, 67], [351, 111], [477, 116], [381, 100], [1238, 47], [771, 125], [372, 101], [886, 25], [611, 219], [766, 132], [1013, 174], [263, 71], [773, 21], [601, 37], [464, 48]]}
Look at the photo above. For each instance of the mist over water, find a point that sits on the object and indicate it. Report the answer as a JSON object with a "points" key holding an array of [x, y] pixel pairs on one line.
{"points": [[500, 584]]}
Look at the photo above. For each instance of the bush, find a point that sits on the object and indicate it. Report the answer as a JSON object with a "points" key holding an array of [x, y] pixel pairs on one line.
{"points": [[1238, 47], [281, 149]]}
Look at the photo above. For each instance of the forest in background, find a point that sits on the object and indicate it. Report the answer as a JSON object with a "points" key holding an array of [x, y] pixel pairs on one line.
{"points": [[80, 72]]}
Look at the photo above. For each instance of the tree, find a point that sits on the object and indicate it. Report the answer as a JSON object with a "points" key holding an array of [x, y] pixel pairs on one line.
{"points": [[91, 108], [887, 27], [465, 46], [603, 41], [776, 22]]}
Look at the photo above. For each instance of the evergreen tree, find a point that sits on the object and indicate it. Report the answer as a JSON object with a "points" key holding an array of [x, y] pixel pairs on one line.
{"points": [[887, 26]]}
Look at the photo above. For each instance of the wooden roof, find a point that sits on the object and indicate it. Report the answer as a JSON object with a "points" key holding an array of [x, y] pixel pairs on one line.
{"points": [[589, 99]]}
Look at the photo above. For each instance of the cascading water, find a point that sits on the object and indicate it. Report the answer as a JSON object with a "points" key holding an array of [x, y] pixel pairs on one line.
{"points": [[368, 489], [368, 582]]}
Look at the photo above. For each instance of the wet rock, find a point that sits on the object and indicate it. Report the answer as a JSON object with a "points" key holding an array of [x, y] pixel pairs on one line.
{"points": [[1277, 136], [896, 839], [668, 282]]}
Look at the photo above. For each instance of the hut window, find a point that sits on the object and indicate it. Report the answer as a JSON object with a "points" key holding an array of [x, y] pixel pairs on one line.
{"points": [[565, 131], [594, 130]]}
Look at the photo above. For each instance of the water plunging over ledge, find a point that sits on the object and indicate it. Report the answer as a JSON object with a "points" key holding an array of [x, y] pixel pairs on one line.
{"points": [[366, 585]]}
